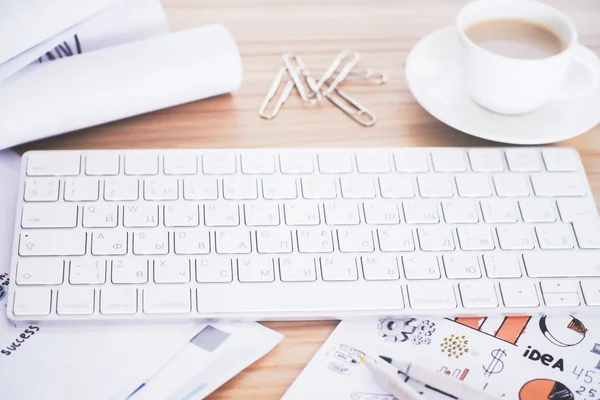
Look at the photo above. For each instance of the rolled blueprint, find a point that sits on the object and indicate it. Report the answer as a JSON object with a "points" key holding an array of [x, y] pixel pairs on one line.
{"points": [[105, 85]]}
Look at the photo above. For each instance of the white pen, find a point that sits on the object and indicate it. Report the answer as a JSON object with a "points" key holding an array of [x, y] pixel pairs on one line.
{"points": [[442, 382], [387, 377]]}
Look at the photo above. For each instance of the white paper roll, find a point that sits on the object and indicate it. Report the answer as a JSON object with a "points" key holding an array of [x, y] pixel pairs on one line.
{"points": [[118, 82]]}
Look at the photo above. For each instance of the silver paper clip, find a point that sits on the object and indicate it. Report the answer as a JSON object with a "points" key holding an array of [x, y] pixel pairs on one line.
{"points": [[287, 90], [289, 60], [369, 75], [353, 108], [353, 58]]}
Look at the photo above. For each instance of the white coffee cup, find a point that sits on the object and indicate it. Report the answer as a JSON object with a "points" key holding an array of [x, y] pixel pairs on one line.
{"points": [[517, 86]]}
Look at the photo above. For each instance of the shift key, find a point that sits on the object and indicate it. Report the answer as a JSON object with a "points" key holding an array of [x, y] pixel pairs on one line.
{"points": [[54, 242]]}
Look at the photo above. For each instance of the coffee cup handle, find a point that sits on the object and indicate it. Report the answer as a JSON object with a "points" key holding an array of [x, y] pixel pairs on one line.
{"points": [[585, 58]]}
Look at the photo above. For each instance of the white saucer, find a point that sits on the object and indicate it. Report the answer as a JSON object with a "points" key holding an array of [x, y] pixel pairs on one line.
{"points": [[434, 80]]}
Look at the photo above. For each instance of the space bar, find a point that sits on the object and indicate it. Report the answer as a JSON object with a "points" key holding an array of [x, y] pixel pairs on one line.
{"points": [[553, 264]]}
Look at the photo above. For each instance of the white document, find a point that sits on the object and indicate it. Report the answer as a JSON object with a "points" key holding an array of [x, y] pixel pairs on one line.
{"points": [[122, 22], [215, 355], [516, 358], [117, 82]]}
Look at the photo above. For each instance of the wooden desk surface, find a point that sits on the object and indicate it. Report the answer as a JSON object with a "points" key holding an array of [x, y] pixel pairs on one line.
{"points": [[383, 31]]}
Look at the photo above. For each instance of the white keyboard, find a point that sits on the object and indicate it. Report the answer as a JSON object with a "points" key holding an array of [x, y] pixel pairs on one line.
{"points": [[298, 234]]}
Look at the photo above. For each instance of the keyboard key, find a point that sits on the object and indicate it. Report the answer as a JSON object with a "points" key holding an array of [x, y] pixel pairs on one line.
{"points": [[181, 214], [381, 213], [109, 243], [297, 162], [436, 239], [302, 213], [519, 294], [515, 237], [315, 240], [276, 240], [130, 270], [218, 163], [373, 161], [449, 160], [462, 266], [430, 296], [339, 268], [355, 240], [555, 236], [40, 271], [396, 187], [460, 211], [357, 187], [561, 299], [100, 215], [200, 188], [240, 188], [118, 300], [576, 209], [486, 160], [560, 160], [161, 189], [558, 286], [587, 233], [75, 301], [411, 160], [478, 295], [32, 301], [421, 266], [396, 238], [538, 210], [255, 269], [233, 242], [55, 242], [475, 238], [335, 162], [121, 189], [261, 214], [591, 291], [61, 163], [318, 187], [167, 300], [49, 215], [41, 189], [213, 270], [140, 215], [499, 211], [341, 213], [278, 187], [511, 185], [473, 186], [435, 186], [102, 163], [180, 164], [502, 265], [82, 190], [297, 269], [558, 185], [380, 268], [420, 212], [87, 271], [258, 162], [559, 264], [221, 214], [141, 164], [523, 160], [151, 242]]}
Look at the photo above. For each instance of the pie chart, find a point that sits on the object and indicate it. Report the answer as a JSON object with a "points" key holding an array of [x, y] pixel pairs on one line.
{"points": [[563, 331], [545, 389]]}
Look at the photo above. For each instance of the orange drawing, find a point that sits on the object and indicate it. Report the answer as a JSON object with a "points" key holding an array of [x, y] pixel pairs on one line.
{"points": [[545, 389], [510, 330]]}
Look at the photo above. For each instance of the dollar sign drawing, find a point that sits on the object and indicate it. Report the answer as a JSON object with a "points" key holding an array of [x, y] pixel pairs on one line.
{"points": [[496, 365]]}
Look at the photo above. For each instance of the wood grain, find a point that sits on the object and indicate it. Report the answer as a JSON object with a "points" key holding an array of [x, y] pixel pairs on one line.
{"points": [[383, 31]]}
